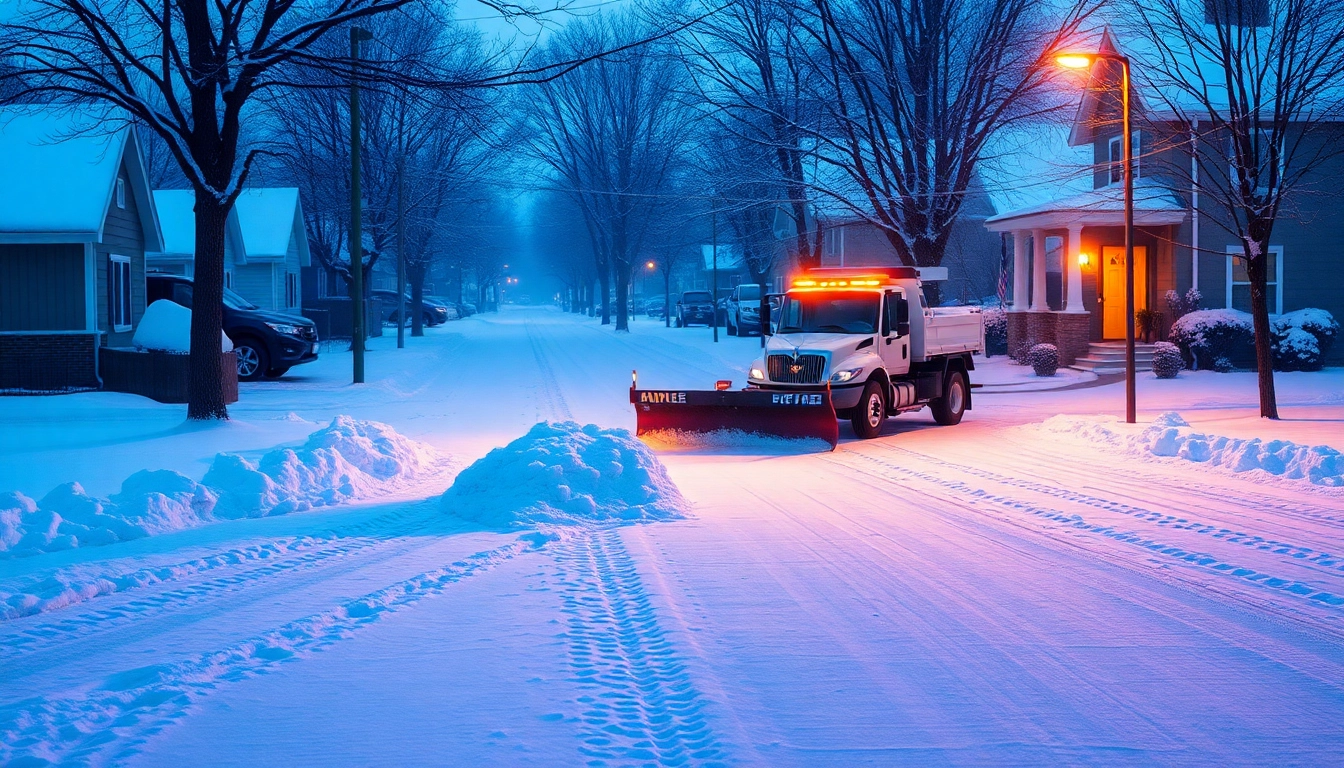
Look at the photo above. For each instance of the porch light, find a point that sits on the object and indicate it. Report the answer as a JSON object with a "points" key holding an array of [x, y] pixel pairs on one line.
{"points": [[1084, 259]]}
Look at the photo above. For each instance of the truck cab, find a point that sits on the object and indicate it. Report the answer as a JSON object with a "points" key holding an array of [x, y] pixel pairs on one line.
{"points": [[869, 337]]}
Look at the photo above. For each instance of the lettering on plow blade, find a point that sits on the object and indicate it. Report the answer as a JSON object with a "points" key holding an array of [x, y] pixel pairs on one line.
{"points": [[802, 414]]}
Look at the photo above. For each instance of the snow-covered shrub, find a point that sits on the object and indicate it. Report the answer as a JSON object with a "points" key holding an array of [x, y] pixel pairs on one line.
{"points": [[1043, 359], [1206, 335], [1302, 339], [996, 331], [1183, 304], [564, 473], [1167, 360], [1222, 364]]}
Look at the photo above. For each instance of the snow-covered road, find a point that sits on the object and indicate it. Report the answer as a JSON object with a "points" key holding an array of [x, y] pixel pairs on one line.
{"points": [[987, 593]]}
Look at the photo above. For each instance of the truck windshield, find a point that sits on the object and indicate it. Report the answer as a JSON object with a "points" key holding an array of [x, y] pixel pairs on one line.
{"points": [[829, 312]]}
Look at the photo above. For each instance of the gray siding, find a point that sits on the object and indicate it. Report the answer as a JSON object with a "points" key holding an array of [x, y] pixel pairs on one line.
{"points": [[122, 235], [255, 282], [42, 287]]}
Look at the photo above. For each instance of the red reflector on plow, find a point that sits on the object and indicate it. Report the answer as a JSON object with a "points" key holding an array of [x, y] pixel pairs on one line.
{"points": [[793, 415]]}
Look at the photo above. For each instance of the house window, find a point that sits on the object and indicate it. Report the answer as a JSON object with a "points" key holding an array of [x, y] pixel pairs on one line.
{"points": [[291, 289], [322, 283], [121, 193], [1239, 284], [228, 279], [1116, 157], [1237, 13], [119, 292], [833, 244]]}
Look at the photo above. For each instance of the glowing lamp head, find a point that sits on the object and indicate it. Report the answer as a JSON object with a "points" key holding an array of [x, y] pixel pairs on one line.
{"points": [[1084, 259], [1074, 60], [649, 265]]}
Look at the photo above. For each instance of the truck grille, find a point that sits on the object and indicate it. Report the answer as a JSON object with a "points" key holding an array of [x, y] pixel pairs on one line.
{"points": [[808, 369]]}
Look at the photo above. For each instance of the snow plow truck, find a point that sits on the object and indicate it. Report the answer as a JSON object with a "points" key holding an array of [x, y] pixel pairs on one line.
{"points": [[858, 344]]}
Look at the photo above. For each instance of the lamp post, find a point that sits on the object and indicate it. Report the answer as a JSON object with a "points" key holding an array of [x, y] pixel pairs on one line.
{"points": [[357, 36], [1084, 61]]}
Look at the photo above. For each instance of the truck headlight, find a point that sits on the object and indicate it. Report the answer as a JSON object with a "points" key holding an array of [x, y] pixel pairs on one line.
{"points": [[840, 377], [756, 374]]}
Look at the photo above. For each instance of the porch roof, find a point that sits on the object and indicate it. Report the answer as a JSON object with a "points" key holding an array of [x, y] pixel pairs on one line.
{"points": [[1154, 205]]}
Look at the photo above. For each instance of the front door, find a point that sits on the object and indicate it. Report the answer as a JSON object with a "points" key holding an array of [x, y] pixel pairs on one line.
{"points": [[1113, 288]]}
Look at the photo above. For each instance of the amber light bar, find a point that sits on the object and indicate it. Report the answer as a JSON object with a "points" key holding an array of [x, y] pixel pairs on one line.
{"points": [[856, 282]]}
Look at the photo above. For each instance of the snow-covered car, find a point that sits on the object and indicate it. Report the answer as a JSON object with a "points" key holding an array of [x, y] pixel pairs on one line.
{"points": [[695, 308], [266, 344], [656, 307], [431, 312]]}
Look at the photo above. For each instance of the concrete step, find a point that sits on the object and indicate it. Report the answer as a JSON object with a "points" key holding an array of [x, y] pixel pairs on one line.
{"points": [[1119, 356]]}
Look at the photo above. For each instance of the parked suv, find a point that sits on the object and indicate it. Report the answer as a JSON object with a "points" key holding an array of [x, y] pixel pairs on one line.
{"points": [[432, 312], [266, 343], [744, 310], [695, 307]]}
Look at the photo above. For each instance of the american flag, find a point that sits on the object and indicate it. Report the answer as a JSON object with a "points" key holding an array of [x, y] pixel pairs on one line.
{"points": [[1003, 270]]}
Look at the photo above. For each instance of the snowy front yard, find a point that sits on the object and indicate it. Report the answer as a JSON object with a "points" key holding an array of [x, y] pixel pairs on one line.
{"points": [[1037, 585]]}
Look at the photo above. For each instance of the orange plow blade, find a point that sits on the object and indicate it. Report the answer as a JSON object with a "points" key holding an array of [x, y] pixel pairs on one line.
{"points": [[793, 415]]}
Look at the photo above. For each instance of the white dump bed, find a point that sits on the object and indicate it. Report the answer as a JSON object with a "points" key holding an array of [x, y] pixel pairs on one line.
{"points": [[951, 330]]}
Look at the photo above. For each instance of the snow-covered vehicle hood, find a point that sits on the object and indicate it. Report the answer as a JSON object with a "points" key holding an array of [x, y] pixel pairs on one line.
{"points": [[835, 345]]}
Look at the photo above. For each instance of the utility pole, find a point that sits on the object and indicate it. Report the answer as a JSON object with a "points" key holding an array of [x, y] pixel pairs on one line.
{"points": [[714, 288], [356, 238], [401, 253]]}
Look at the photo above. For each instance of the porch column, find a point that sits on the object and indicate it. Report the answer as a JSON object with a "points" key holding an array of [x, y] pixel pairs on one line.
{"points": [[1075, 294], [1019, 270], [1038, 300]]}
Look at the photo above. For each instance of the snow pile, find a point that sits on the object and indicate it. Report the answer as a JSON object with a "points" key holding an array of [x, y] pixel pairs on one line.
{"points": [[166, 327], [564, 473], [346, 460], [1171, 436]]}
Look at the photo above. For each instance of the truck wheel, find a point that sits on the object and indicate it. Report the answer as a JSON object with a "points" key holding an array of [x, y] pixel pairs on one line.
{"points": [[871, 412], [948, 409]]}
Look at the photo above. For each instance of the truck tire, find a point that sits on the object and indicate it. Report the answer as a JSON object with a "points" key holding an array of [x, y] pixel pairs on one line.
{"points": [[948, 409], [871, 412]]}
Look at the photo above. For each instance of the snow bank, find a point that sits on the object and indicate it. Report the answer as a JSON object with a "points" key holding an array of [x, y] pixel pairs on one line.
{"points": [[346, 460], [1171, 436], [166, 327], [563, 473]]}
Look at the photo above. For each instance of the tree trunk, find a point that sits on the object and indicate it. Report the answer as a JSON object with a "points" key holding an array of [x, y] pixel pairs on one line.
{"points": [[604, 280], [929, 253], [205, 380], [416, 275], [1257, 274], [623, 296]]}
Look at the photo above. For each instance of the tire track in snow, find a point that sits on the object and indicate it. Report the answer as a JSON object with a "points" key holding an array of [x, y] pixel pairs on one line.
{"points": [[131, 706], [551, 395], [1201, 560], [640, 704], [1299, 553]]}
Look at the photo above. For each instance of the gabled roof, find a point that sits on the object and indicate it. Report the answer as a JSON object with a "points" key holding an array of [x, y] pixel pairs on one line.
{"points": [[58, 174], [262, 223]]}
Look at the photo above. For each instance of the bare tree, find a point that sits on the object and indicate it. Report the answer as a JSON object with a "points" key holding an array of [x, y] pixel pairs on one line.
{"points": [[1258, 85], [746, 199], [189, 71], [751, 66], [612, 132], [911, 92]]}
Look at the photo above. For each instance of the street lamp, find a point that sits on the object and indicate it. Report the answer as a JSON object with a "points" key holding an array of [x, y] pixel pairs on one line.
{"points": [[1085, 61]]}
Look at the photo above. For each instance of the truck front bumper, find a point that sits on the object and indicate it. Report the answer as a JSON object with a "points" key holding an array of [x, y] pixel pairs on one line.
{"points": [[842, 396]]}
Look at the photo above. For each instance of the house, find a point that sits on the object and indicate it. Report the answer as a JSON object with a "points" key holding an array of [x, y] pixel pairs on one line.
{"points": [[265, 244], [76, 219], [1177, 242]]}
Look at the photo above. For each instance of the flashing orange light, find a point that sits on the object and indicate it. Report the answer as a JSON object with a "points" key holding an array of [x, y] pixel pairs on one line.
{"points": [[1074, 60], [804, 283]]}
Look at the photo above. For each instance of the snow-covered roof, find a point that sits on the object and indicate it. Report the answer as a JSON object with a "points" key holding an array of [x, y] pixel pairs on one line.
{"points": [[262, 223], [58, 174], [1154, 203]]}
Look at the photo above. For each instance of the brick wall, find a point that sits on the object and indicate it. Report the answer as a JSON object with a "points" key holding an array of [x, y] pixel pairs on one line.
{"points": [[1068, 331], [1073, 331], [47, 362]]}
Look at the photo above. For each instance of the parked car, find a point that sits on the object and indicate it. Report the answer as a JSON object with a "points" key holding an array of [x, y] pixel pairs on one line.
{"points": [[695, 307], [432, 312], [656, 306], [462, 308], [744, 310], [266, 344]]}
